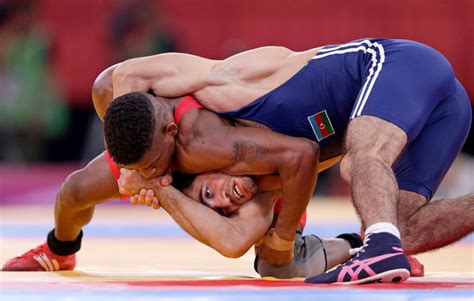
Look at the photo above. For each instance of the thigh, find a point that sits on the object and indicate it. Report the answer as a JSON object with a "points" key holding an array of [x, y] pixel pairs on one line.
{"points": [[426, 160], [408, 80], [373, 136]]}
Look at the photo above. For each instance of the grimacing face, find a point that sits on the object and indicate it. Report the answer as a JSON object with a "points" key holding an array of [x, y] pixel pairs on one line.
{"points": [[222, 192]]}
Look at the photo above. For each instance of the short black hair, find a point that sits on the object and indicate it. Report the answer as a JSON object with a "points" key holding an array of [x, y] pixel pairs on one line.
{"points": [[182, 181], [129, 127]]}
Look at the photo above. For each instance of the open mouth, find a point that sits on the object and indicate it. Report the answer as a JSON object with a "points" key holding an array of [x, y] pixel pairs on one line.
{"points": [[237, 192], [243, 188]]}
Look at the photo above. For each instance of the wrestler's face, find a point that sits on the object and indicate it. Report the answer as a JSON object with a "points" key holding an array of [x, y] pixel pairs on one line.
{"points": [[158, 158], [222, 192]]}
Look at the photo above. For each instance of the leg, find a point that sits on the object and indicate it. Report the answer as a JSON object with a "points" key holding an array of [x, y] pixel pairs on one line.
{"points": [[404, 92], [74, 208], [428, 226], [372, 146], [78, 196], [312, 256]]}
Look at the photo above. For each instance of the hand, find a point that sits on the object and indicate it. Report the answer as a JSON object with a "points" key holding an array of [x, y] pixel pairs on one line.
{"points": [[131, 182], [275, 250], [145, 197]]}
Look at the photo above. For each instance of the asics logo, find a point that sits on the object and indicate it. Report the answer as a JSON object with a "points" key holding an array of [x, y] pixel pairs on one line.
{"points": [[362, 265], [47, 263]]}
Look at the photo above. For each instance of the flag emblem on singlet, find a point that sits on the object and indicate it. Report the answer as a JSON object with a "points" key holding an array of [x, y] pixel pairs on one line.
{"points": [[321, 125]]}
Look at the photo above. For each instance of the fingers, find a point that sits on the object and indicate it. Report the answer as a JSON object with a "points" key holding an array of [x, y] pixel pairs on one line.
{"points": [[149, 197], [156, 203], [134, 199], [166, 180], [145, 197], [142, 196]]}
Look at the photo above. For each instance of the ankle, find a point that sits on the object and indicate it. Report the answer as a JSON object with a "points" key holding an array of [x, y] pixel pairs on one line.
{"points": [[383, 227], [63, 248]]}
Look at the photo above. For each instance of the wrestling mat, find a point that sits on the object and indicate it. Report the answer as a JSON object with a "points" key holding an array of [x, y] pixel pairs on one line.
{"points": [[137, 253]]}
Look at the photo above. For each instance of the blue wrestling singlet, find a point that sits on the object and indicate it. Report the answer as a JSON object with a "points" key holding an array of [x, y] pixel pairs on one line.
{"points": [[406, 83]]}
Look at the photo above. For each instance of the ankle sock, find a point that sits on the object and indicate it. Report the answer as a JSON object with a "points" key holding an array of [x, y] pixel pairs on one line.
{"points": [[382, 227], [63, 248]]}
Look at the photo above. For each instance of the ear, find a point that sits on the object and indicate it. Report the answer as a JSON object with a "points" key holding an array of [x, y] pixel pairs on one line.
{"points": [[171, 129]]}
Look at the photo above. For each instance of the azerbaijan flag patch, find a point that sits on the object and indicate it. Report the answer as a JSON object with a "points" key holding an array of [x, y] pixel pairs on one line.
{"points": [[321, 125]]}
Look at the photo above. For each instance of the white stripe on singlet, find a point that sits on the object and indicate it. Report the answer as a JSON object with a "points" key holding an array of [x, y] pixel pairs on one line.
{"points": [[374, 70]]}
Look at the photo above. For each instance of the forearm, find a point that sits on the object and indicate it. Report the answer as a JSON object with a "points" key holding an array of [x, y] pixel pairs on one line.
{"points": [[298, 179], [230, 236]]}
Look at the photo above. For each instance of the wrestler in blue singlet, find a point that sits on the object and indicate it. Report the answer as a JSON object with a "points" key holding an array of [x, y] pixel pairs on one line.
{"points": [[406, 83]]}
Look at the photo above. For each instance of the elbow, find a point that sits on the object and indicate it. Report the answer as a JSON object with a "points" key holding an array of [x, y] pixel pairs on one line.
{"points": [[233, 249], [102, 91], [308, 154]]}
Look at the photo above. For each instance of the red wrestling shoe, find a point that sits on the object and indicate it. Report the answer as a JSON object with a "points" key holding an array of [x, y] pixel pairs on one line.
{"points": [[40, 259], [417, 268]]}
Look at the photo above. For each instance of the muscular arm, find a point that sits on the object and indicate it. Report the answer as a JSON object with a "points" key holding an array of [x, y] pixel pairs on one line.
{"points": [[231, 236], [103, 91], [272, 182], [243, 151], [167, 75]]}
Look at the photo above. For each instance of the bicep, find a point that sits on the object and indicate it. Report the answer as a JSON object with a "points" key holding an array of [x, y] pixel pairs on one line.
{"points": [[168, 75]]}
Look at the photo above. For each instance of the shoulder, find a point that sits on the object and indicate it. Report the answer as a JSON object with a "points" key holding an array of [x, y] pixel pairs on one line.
{"points": [[200, 122]]}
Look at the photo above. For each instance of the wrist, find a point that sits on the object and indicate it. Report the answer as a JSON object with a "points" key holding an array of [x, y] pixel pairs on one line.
{"points": [[284, 232], [275, 242]]}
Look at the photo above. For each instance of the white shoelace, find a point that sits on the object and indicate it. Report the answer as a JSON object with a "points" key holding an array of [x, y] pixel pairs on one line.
{"points": [[357, 251]]}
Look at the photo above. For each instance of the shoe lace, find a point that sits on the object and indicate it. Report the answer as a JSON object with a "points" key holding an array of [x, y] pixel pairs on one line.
{"points": [[355, 252]]}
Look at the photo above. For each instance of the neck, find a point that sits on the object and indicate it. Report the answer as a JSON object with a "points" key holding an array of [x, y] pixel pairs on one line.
{"points": [[174, 102], [166, 107]]}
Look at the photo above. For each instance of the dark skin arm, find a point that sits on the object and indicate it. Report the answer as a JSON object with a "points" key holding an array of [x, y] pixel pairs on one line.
{"points": [[251, 151], [240, 151]]}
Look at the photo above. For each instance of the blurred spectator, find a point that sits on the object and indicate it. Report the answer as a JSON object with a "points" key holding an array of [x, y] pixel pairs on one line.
{"points": [[31, 109], [138, 28]]}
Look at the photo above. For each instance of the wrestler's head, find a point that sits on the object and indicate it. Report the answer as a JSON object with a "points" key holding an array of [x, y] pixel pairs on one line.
{"points": [[216, 190], [139, 132]]}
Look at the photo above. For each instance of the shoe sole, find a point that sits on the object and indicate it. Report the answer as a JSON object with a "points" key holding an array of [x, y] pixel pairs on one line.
{"points": [[392, 276]]}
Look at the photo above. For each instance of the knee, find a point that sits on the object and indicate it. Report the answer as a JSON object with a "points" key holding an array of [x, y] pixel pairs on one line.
{"points": [[69, 194], [345, 167], [350, 162]]}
